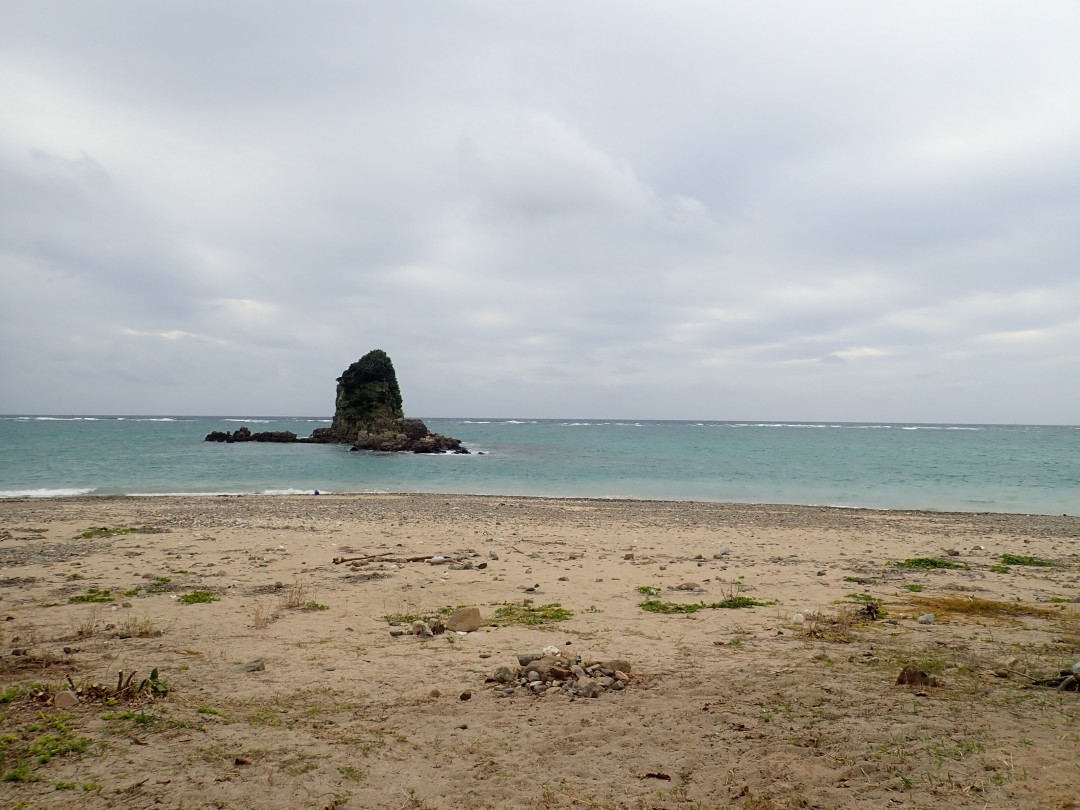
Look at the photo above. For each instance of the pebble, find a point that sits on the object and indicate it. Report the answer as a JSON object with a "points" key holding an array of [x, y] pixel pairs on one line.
{"points": [[926, 618], [798, 618]]}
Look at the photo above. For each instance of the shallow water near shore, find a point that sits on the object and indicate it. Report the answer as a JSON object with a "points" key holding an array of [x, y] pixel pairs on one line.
{"points": [[974, 468]]}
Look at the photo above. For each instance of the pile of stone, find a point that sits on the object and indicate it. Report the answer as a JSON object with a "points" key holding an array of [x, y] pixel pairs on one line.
{"points": [[463, 620], [549, 672]]}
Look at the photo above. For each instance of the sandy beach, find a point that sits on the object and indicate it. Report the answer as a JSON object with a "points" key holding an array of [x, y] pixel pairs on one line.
{"points": [[220, 658]]}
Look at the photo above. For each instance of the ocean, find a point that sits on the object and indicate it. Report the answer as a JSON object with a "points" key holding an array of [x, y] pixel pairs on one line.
{"points": [[972, 468]]}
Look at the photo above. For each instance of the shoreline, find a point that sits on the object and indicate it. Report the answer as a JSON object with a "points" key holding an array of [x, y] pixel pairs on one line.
{"points": [[484, 496], [347, 710]]}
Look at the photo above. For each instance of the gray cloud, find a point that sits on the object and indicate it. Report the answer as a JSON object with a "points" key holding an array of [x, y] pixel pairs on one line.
{"points": [[626, 210]]}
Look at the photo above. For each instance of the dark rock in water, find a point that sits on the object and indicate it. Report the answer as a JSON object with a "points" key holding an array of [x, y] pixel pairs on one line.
{"points": [[367, 415], [245, 435]]}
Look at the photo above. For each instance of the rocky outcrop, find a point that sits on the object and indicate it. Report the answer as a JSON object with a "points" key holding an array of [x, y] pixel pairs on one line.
{"points": [[367, 415], [243, 434]]}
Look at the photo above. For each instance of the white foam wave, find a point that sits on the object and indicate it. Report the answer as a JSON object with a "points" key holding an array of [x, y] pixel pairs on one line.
{"points": [[255, 421], [64, 418], [294, 492], [43, 493]]}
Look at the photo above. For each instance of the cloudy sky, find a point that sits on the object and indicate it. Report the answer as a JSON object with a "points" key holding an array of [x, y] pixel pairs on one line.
{"points": [[835, 210]]}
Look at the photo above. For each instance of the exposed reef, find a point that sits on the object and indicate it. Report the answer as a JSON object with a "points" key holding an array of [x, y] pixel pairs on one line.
{"points": [[367, 415]]}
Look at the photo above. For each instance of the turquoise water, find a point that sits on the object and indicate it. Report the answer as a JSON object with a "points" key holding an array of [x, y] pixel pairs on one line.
{"points": [[981, 468]]}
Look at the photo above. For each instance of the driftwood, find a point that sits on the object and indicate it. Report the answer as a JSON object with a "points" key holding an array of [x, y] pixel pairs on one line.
{"points": [[387, 558], [1068, 681], [340, 560]]}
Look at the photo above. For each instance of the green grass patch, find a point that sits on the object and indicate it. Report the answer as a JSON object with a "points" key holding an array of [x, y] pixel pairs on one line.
{"points": [[529, 615], [999, 569], [18, 690], [37, 743], [158, 585], [864, 598], [734, 603], [93, 595], [105, 531], [915, 587], [119, 531], [928, 563], [648, 590], [196, 598], [1023, 559]]}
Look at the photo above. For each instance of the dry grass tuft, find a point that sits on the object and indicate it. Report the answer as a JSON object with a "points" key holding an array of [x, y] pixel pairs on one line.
{"points": [[986, 608], [138, 627], [264, 615], [300, 596], [87, 627]]}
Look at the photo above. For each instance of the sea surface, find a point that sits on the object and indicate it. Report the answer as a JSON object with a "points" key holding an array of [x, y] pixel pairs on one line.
{"points": [[972, 468]]}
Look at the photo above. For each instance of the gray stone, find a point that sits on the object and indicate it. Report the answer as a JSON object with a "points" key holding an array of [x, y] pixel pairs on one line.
{"points": [[926, 618], [589, 689], [421, 629], [913, 676], [617, 663], [524, 659], [551, 668], [465, 620], [503, 675], [254, 665], [65, 699]]}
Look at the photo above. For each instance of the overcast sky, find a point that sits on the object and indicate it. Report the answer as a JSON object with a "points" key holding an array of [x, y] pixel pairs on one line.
{"points": [[704, 210]]}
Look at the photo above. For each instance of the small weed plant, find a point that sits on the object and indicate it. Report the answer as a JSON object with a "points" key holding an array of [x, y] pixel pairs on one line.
{"points": [[930, 563], [196, 597], [92, 595], [529, 615], [1023, 559]]}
